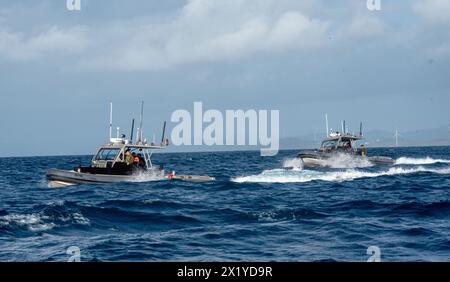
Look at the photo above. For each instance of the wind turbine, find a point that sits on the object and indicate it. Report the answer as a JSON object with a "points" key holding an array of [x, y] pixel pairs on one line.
{"points": [[396, 135]]}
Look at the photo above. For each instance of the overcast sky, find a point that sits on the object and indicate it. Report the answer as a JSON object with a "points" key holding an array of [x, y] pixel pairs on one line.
{"points": [[59, 69]]}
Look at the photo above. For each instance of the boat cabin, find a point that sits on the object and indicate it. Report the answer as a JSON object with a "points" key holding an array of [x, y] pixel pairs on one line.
{"points": [[111, 158], [337, 142]]}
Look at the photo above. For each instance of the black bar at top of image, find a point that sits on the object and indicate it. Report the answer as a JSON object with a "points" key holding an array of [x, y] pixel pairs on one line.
{"points": [[264, 271]]}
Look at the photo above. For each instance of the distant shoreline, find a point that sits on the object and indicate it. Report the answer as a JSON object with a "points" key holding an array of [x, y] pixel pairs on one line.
{"points": [[218, 151]]}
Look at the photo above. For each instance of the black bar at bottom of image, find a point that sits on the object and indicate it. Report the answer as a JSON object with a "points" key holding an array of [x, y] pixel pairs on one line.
{"points": [[255, 271]]}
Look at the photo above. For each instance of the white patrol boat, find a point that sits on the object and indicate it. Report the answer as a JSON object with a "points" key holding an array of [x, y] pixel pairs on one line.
{"points": [[337, 144], [120, 160]]}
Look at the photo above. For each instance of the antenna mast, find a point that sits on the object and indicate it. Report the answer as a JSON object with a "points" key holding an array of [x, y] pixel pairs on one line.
{"points": [[396, 137], [140, 124], [110, 120], [360, 129], [132, 130], [163, 133], [326, 123]]}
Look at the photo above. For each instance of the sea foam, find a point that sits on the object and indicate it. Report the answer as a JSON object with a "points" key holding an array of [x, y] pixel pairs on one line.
{"points": [[287, 176], [419, 161]]}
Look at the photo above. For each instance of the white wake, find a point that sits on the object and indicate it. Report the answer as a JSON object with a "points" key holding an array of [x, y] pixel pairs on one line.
{"points": [[151, 175], [294, 163], [347, 161], [419, 161], [289, 176]]}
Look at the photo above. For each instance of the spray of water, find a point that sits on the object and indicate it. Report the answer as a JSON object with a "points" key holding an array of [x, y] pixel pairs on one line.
{"points": [[294, 163], [347, 161], [150, 175], [419, 161], [289, 176]]}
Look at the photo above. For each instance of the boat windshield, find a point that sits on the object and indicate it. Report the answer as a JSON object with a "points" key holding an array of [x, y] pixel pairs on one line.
{"points": [[329, 144], [345, 144], [107, 154]]}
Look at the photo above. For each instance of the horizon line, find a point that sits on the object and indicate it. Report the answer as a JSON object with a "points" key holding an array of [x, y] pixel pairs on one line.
{"points": [[215, 151]]}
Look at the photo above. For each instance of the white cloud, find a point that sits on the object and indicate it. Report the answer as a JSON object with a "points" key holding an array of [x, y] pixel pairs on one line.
{"points": [[296, 29], [17, 46], [435, 27], [364, 26], [204, 31], [434, 11], [208, 31]]}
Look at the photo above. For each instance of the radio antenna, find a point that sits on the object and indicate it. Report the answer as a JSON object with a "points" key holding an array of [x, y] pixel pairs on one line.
{"points": [[132, 130], [140, 124], [163, 133], [110, 119]]}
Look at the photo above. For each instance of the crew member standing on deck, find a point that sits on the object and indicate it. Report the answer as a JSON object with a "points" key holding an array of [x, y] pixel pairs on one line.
{"points": [[128, 157], [136, 160], [363, 150]]}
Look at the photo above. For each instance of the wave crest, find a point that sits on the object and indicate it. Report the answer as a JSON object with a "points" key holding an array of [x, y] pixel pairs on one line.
{"points": [[287, 176], [347, 161], [294, 163], [151, 175], [53, 215], [33, 222], [419, 161]]}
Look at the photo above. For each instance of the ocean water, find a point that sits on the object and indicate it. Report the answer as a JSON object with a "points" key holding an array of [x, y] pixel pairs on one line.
{"points": [[258, 209]]}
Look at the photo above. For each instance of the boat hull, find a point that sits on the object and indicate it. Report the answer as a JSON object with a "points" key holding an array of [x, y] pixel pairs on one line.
{"points": [[193, 178], [309, 162], [379, 160], [317, 159], [59, 178]]}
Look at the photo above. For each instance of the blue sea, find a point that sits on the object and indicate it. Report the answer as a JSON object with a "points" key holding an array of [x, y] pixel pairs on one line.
{"points": [[258, 209]]}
